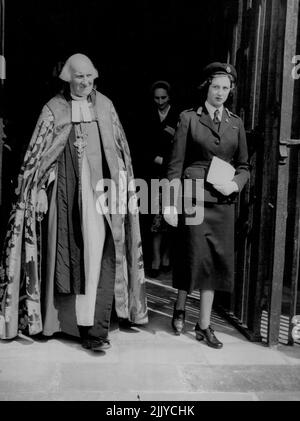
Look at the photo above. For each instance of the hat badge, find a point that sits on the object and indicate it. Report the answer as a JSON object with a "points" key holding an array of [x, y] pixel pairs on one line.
{"points": [[228, 70]]}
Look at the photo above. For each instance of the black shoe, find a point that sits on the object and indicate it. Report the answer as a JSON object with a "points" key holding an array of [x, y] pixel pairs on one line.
{"points": [[178, 320], [154, 273], [208, 335], [125, 323], [96, 344]]}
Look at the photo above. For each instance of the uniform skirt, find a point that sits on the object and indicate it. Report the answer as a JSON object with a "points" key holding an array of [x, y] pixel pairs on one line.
{"points": [[204, 253]]}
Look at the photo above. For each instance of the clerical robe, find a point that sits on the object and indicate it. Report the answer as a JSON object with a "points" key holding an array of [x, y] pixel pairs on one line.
{"points": [[53, 271]]}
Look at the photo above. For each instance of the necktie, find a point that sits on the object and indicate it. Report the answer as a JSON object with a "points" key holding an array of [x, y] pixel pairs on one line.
{"points": [[217, 119]]}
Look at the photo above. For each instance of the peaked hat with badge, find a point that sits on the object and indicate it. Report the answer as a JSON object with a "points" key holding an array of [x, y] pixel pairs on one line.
{"points": [[217, 68]]}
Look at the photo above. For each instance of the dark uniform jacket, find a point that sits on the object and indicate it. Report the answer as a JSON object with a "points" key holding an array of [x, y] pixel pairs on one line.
{"points": [[197, 140]]}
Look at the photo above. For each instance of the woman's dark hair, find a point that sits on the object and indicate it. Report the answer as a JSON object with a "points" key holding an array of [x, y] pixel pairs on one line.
{"points": [[161, 84]]}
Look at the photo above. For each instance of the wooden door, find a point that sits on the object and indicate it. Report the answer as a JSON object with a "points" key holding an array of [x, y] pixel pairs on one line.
{"points": [[264, 44]]}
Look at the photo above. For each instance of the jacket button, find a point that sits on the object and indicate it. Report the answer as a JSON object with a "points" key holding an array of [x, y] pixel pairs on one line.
{"points": [[217, 142]]}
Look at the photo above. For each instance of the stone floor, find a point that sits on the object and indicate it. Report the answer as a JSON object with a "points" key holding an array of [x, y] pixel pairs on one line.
{"points": [[150, 364]]}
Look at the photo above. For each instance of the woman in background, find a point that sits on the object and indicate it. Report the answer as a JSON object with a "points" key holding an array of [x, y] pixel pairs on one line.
{"points": [[163, 123]]}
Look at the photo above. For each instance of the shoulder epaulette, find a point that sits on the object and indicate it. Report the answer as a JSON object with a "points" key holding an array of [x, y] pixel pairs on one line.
{"points": [[231, 114], [186, 111]]}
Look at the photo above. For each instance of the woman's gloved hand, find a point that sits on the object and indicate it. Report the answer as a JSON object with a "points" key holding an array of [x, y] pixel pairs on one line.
{"points": [[171, 215], [158, 160]]}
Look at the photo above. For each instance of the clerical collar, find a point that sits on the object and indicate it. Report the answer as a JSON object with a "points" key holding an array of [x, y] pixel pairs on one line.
{"points": [[77, 98], [90, 97], [211, 110]]}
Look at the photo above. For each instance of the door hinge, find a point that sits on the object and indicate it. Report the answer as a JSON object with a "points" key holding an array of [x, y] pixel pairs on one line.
{"points": [[283, 145]]}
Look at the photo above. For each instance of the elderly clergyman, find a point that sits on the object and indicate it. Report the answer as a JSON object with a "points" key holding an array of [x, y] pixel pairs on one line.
{"points": [[66, 262]]}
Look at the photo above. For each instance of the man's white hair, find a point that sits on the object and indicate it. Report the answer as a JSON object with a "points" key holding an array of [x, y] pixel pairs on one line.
{"points": [[65, 73]]}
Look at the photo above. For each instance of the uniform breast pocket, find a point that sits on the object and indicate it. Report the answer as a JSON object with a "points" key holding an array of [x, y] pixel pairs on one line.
{"points": [[231, 138], [194, 173]]}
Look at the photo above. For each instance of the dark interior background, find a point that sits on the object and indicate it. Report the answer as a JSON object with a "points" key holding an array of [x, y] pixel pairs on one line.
{"points": [[132, 43]]}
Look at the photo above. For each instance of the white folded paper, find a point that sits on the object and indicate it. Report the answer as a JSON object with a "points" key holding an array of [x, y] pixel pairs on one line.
{"points": [[220, 171]]}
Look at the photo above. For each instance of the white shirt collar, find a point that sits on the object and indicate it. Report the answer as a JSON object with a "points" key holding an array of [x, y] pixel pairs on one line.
{"points": [[211, 110], [163, 115]]}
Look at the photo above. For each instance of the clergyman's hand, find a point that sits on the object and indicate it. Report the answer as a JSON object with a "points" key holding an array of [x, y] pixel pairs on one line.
{"points": [[41, 202]]}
